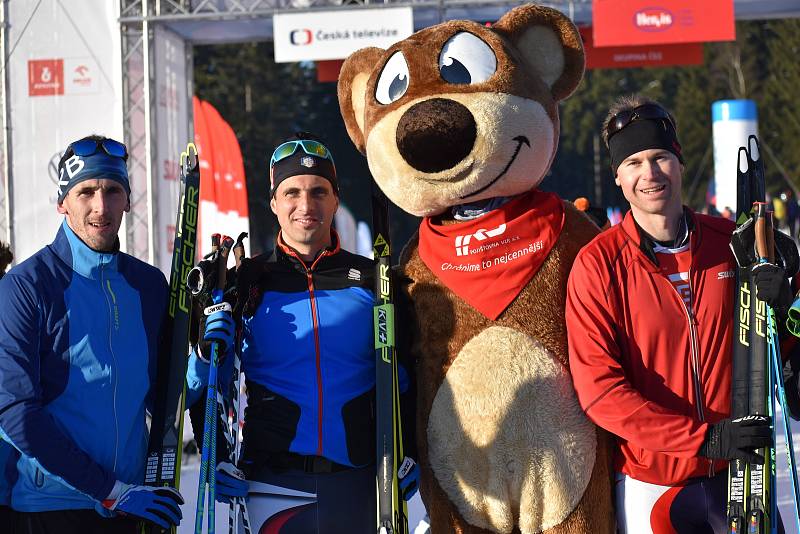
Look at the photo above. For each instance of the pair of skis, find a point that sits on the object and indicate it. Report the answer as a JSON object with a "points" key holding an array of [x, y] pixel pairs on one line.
{"points": [[392, 509], [752, 503], [163, 462]]}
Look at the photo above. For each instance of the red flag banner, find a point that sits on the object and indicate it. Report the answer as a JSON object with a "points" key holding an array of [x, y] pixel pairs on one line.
{"points": [[647, 22], [625, 57], [223, 191]]}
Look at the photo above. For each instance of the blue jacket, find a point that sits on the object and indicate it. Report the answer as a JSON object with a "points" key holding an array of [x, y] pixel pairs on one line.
{"points": [[78, 343], [309, 357], [8, 471]]}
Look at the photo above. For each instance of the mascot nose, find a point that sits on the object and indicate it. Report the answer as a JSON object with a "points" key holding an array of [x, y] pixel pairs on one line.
{"points": [[436, 134]]}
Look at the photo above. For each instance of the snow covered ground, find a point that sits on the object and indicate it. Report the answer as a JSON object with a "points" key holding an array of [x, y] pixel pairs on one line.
{"points": [[191, 468]]}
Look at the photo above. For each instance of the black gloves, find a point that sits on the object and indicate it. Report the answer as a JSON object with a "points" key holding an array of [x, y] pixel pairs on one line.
{"points": [[736, 439], [772, 286]]}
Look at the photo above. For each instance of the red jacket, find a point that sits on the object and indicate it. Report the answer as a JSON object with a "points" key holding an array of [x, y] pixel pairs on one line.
{"points": [[645, 367]]}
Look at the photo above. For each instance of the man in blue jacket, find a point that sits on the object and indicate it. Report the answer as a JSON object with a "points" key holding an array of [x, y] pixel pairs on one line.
{"points": [[78, 343], [309, 357]]}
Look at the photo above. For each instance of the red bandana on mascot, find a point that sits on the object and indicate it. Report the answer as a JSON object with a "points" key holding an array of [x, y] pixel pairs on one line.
{"points": [[489, 260]]}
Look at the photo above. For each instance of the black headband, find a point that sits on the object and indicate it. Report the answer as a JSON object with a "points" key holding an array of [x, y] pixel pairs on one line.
{"points": [[301, 163], [642, 134]]}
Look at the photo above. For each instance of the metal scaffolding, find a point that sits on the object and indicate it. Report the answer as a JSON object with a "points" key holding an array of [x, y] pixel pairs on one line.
{"points": [[6, 222], [229, 21]]}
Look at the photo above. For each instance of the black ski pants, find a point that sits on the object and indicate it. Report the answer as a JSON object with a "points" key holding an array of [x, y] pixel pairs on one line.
{"points": [[71, 522]]}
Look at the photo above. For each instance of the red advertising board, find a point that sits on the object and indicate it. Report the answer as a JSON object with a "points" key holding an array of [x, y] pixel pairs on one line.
{"points": [[623, 57], [646, 22], [45, 77], [328, 70]]}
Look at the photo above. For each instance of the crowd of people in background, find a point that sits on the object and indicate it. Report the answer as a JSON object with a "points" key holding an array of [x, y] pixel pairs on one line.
{"points": [[785, 212]]}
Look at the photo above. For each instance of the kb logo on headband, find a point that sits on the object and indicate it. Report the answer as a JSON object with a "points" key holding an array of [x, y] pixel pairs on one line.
{"points": [[72, 166]]}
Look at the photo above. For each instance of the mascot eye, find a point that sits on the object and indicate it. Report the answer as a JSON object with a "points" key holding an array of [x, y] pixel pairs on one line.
{"points": [[466, 59], [393, 81]]}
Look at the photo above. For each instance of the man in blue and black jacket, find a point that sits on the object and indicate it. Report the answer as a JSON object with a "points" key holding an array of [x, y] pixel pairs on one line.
{"points": [[309, 357], [78, 341]]}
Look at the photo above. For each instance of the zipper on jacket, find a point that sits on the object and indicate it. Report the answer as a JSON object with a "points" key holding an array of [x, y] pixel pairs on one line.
{"points": [[114, 369], [314, 314], [695, 362]]}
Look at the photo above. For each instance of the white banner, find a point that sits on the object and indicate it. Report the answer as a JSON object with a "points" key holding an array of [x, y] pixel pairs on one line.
{"points": [[172, 127], [65, 83], [322, 35]]}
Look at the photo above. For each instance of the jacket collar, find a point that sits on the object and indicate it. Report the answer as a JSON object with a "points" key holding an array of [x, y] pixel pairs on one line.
{"points": [[643, 241], [82, 259], [286, 253]]}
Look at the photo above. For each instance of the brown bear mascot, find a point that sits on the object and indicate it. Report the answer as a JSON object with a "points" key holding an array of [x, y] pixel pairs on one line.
{"points": [[459, 124]]}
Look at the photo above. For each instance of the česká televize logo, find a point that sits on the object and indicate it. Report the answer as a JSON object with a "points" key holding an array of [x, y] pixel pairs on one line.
{"points": [[653, 19], [301, 37]]}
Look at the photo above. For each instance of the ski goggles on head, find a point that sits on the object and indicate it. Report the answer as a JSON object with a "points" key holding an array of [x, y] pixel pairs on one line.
{"points": [[310, 147], [643, 112], [88, 147]]}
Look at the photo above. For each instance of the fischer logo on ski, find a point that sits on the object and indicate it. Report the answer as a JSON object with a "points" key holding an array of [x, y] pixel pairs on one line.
{"points": [[166, 427]]}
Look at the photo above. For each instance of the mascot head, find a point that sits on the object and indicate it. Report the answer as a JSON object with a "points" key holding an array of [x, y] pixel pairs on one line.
{"points": [[458, 112]]}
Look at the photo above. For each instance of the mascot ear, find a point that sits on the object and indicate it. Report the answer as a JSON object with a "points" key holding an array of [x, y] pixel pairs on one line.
{"points": [[352, 91], [549, 44]]}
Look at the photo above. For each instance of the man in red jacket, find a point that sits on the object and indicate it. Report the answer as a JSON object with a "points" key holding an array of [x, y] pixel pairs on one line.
{"points": [[649, 319]]}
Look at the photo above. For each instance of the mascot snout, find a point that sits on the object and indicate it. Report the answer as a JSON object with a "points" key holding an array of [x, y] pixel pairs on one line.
{"points": [[436, 134]]}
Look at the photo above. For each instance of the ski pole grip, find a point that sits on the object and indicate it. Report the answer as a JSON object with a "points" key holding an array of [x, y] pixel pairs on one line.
{"points": [[760, 210], [238, 249], [224, 250], [770, 238]]}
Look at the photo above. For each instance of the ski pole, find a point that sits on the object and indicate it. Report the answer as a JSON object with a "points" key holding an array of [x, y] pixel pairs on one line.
{"points": [[781, 391], [776, 381], [237, 505], [208, 457], [759, 514]]}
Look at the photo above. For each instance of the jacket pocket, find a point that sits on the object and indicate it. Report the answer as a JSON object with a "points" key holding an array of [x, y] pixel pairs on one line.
{"points": [[38, 479]]}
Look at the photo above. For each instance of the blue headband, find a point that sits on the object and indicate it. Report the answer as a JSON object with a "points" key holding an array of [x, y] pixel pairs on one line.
{"points": [[77, 169]]}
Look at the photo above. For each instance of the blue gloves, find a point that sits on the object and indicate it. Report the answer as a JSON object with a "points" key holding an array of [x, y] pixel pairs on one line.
{"points": [[220, 327], [408, 478], [230, 483], [157, 505]]}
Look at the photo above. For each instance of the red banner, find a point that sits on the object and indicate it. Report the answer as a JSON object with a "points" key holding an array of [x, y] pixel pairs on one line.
{"points": [[328, 70], [646, 22], [223, 190], [625, 57]]}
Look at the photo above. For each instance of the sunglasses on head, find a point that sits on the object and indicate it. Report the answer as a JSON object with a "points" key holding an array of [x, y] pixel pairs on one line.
{"points": [[310, 147], [643, 112], [88, 147]]}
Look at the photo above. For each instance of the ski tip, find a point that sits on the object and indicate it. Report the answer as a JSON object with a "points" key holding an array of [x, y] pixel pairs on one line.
{"points": [[754, 148], [744, 160]]}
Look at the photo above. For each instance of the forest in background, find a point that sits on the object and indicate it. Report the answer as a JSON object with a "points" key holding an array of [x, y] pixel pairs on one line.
{"points": [[266, 102]]}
